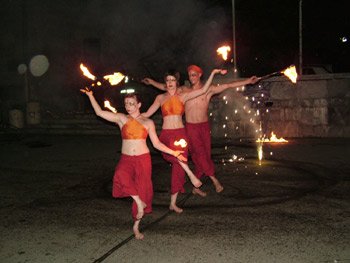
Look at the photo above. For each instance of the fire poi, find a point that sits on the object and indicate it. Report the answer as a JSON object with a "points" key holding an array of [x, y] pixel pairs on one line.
{"points": [[113, 79], [181, 142]]}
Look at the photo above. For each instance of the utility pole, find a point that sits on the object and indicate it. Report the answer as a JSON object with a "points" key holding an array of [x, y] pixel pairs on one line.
{"points": [[235, 70], [300, 37]]}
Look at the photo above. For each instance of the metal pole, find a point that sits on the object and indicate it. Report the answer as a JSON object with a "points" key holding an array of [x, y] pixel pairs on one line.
{"points": [[300, 37], [235, 71]]}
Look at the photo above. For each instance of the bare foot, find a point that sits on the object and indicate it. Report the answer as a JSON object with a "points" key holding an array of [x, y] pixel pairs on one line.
{"points": [[218, 187], [137, 233], [197, 191], [196, 182], [140, 210], [176, 209]]}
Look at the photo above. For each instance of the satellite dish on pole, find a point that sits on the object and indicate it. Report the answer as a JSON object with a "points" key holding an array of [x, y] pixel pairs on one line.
{"points": [[39, 65]]}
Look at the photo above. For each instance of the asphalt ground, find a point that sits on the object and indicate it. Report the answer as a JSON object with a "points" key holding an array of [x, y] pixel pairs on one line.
{"points": [[56, 204]]}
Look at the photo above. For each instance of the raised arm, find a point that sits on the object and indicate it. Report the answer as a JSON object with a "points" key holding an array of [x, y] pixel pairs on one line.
{"points": [[195, 93], [107, 115], [160, 146], [153, 108], [221, 87], [154, 83]]}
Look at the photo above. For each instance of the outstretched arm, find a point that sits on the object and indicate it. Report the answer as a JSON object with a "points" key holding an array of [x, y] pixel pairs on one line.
{"points": [[221, 87], [154, 83], [195, 93], [107, 115], [153, 108], [162, 147]]}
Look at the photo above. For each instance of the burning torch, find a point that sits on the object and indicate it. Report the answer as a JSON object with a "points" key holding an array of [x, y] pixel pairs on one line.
{"points": [[113, 79], [223, 52], [289, 72]]}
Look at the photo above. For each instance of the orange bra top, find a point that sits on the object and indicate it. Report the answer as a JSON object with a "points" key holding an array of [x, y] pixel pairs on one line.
{"points": [[133, 130], [173, 106]]}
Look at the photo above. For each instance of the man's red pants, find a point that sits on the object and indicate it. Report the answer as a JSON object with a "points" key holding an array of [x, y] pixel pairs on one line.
{"points": [[200, 148]]}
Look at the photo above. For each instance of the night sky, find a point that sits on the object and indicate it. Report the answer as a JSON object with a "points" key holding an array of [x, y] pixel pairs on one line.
{"points": [[146, 38], [151, 36]]}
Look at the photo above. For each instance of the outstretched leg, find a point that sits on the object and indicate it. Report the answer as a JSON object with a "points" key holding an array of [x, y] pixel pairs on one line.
{"points": [[135, 228], [218, 187], [197, 191], [173, 205], [194, 180]]}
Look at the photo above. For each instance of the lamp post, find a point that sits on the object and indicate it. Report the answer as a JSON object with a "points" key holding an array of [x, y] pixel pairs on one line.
{"points": [[300, 37], [235, 70]]}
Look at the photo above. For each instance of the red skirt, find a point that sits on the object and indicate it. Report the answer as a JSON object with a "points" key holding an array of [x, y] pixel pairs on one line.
{"points": [[168, 137], [133, 176]]}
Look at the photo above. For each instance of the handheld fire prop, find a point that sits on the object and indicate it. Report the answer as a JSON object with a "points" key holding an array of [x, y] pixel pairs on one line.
{"points": [[113, 79], [223, 51], [108, 105], [289, 72], [181, 142]]}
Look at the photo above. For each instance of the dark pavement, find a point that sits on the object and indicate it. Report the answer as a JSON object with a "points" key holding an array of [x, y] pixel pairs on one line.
{"points": [[56, 204]]}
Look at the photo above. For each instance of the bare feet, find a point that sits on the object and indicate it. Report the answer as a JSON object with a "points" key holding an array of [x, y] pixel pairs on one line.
{"points": [[137, 233], [176, 209], [197, 191], [196, 182], [140, 210], [218, 187]]}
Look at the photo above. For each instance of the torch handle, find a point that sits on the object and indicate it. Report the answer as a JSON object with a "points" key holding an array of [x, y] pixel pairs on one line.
{"points": [[277, 73]]}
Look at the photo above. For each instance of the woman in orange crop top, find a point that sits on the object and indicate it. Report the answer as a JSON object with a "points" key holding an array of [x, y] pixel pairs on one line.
{"points": [[172, 104], [132, 175]]}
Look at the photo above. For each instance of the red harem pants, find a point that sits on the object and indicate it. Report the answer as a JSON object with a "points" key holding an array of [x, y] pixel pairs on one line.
{"points": [[200, 148], [133, 176], [168, 137]]}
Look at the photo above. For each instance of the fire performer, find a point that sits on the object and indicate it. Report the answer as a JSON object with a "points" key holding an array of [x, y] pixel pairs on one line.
{"points": [[197, 124], [172, 104], [132, 175]]}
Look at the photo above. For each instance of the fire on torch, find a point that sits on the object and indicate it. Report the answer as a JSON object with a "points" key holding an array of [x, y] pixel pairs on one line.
{"points": [[223, 51], [181, 142], [108, 105], [113, 79], [289, 72]]}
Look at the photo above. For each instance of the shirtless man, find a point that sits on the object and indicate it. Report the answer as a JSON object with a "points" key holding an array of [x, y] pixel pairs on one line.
{"points": [[197, 123]]}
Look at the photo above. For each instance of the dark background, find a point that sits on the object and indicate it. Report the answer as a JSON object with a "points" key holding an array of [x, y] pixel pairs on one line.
{"points": [[145, 38]]}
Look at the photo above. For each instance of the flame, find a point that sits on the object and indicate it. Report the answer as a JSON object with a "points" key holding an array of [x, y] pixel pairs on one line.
{"points": [[223, 51], [114, 79], [86, 72], [260, 152], [181, 142], [291, 73], [108, 105], [272, 139]]}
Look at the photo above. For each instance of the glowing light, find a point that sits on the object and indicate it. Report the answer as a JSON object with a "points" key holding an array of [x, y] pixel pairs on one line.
{"points": [[223, 51], [260, 152], [127, 91], [114, 79], [86, 72], [272, 139], [181, 142], [108, 105], [291, 73]]}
